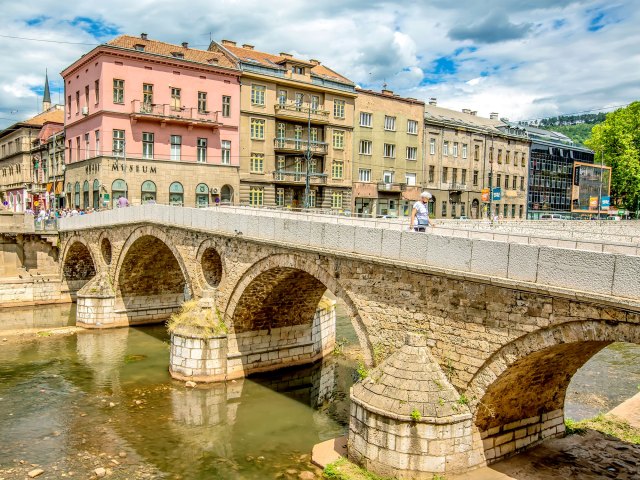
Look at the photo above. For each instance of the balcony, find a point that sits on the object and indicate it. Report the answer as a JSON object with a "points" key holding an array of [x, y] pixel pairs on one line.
{"points": [[295, 145], [291, 111], [288, 176], [165, 113], [459, 187], [392, 187]]}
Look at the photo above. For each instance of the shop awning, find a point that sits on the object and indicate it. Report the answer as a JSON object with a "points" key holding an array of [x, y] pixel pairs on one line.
{"points": [[59, 187], [49, 187]]}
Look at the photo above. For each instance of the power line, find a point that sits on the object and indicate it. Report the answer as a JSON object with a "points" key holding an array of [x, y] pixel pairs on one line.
{"points": [[575, 113], [48, 41]]}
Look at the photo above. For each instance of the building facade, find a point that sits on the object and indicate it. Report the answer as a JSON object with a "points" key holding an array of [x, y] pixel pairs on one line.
{"points": [[388, 167], [153, 122], [476, 167], [296, 118], [48, 167]]}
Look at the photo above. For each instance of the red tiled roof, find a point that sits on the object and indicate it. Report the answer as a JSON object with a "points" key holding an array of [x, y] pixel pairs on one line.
{"points": [[54, 115]]}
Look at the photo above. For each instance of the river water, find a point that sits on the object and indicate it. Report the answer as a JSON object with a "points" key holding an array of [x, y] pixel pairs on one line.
{"points": [[73, 402]]}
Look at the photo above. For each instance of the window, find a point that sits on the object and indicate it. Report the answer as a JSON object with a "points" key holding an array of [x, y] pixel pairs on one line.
{"points": [[498, 180], [365, 147], [226, 106], [507, 158], [454, 175], [514, 184], [299, 101], [445, 148], [506, 181], [387, 176], [69, 106], [176, 103], [280, 197], [202, 195], [312, 199], [338, 139], [515, 158], [257, 129], [313, 135], [118, 143], [202, 102], [444, 208], [336, 200], [524, 159], [505, 210], [315, 104], [520, 212], [176, 146], [297, 136], [410, 179], [298, 70], [201, 150], [226, 152], [412, 127], [118, 91], [257, 163], [389, 123], [337, 169], [432, 146], [147, 145], [257, 94], [389, 150], [499, 155], [455, 149], [86, 146], [463, 178], [256, 196], [432, 171], [176, 194], [412, 153], [445, 172], [476, 152], [365, 119], [86, 96], [338, 108], [96, 88], [475, 177], [364, 175], [282, 97], [77, 103], [280, 167], [147, 97], [521, 184], [98, 142], [464, 150], [463, 209]]}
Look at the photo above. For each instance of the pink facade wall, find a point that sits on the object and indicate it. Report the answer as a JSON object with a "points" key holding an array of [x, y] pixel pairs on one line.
{"points": [[106, 116]]}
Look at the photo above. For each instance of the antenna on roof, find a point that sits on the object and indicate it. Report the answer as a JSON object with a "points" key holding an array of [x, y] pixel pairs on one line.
{"points": [[384, 83]]}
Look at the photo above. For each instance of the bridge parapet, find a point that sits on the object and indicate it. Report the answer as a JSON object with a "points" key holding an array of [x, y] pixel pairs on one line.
{"points": [[612, 278]]}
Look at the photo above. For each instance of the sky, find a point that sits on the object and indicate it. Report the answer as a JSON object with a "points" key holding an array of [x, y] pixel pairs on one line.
{"points": [[523, 59]]}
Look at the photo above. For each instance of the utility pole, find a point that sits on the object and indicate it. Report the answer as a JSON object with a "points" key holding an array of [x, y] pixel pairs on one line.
{"points": [[600, 192], [307, 186]]}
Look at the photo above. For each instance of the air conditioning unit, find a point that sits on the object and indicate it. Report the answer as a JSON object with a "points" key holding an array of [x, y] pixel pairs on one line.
{"points": [[85, 110], [214, 191]]}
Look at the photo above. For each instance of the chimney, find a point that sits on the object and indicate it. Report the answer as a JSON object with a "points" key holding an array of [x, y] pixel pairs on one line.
{"points": [[474, 113], [433, 101], [229, 43], [466, 110], [387, 92], [493, 115], [185, 44], [143, 36], [247, 46], [314, 61], [286, 55]]}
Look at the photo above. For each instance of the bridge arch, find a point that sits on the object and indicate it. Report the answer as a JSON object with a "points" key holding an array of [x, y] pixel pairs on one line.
{"points": [[78, 264], [151, 279], [518, 395], [284, 290]]}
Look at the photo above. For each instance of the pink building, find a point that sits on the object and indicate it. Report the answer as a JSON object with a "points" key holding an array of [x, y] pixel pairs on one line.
{"points": [[153, 122]]}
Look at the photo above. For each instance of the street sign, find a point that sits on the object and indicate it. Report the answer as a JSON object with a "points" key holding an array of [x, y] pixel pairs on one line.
{"points": [[605, 202], [485, 194], [496, 195]]}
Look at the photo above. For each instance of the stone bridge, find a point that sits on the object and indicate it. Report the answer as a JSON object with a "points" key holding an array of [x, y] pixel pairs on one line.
{"points": [[471, 343]]}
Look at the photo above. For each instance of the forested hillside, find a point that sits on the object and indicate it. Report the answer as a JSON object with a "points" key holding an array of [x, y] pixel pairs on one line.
{"points": [[576, 127]]}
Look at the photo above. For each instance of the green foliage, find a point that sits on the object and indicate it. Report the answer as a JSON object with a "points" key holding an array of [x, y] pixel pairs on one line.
{"points": [[437, 476], [343, 469], [416, 415], [338, 348], [607, 424], [579, 133], [193, 319], [463, 400], [362, 371], [618, 140]]}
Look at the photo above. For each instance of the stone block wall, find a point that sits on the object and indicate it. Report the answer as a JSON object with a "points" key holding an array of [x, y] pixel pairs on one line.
{"points": [[142, 309], [96, 312], [194, 357]]}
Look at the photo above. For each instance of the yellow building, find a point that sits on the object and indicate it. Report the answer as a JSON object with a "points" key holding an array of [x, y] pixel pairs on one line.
{"points": [[466, 157], [388, 171], [291, 108]]}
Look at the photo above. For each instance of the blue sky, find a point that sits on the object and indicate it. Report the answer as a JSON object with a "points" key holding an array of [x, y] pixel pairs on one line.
{"points": [[521, 58]]}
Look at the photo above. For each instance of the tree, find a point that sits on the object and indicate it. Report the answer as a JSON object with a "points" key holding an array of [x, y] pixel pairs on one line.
{"points": [[617, 139]]}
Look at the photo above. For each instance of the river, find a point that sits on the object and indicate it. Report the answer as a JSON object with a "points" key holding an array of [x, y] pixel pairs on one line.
{"points": [[72, 403]]}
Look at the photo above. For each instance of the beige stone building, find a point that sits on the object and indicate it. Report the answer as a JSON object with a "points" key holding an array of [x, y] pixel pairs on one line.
{"points": [[466, 156], [289, 105], [388, 167]]}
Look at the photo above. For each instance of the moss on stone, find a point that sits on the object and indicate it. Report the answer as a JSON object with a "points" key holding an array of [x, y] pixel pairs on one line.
{"points": [[343, 469], [193, 319]]}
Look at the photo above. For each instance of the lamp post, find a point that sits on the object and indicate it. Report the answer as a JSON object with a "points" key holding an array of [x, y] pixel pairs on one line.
{"points": [[600, 190], [307, 182]]}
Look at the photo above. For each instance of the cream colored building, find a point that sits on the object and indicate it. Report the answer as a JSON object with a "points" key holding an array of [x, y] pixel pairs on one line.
{"points": [[388, 167], [466, 154], [289, 105]]}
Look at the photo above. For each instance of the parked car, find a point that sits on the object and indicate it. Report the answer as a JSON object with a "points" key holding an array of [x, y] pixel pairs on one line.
{"points": [[615, 218], [551, 216]]}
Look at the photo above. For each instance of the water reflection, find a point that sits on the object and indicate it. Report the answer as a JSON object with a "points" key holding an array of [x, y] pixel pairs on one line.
{"points": [[39, 316], [104, 355]]}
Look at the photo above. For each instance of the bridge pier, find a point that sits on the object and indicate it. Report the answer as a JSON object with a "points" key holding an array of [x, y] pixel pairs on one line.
{"points": [[408, 421], [95, 306], [202, 357]]}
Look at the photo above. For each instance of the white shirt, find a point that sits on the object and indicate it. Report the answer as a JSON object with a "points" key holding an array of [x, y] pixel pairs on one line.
{"points": [[422, 213]]}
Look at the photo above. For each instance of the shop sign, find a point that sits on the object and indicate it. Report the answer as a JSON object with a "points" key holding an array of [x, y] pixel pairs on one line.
{"points": [[120, 167], [485, 194]]}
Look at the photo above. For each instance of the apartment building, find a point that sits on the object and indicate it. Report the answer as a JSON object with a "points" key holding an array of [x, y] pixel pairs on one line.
{"points": [[475, 166], [19, 188], [153, 122], [47, 153], [296, 116], [388, 168]]}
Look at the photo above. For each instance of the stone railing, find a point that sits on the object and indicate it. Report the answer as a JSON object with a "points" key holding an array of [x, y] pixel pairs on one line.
{"points": [[563, 266]]}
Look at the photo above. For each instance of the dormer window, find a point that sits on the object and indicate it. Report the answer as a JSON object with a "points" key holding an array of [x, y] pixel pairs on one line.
{"points": [[298, 70], [177, 54], [139, 47]]}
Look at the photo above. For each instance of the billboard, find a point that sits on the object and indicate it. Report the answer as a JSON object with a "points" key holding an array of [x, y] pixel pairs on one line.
{"points": [[591, 187], [496, 194], [485, 194]]}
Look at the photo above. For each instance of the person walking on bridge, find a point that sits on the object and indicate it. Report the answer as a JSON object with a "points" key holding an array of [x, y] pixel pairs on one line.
{"points": [[419, 220]]}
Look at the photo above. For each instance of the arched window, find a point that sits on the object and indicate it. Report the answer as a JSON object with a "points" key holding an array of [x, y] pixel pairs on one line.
{"points": [[76, 195], [202, 195], [96, 194], [85, 194], [226, 194], [118, 190], [176, 194], [148, 192], [18, 202]]}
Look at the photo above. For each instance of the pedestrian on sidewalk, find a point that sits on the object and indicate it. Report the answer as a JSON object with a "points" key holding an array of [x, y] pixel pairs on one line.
{"points": [[419, 220]]}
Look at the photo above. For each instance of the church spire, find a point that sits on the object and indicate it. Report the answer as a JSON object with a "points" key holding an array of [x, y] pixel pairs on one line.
{"points": [[46, 99]]}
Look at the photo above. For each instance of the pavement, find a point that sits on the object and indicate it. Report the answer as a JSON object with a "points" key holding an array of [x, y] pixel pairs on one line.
{"points": [[329, 451]]}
